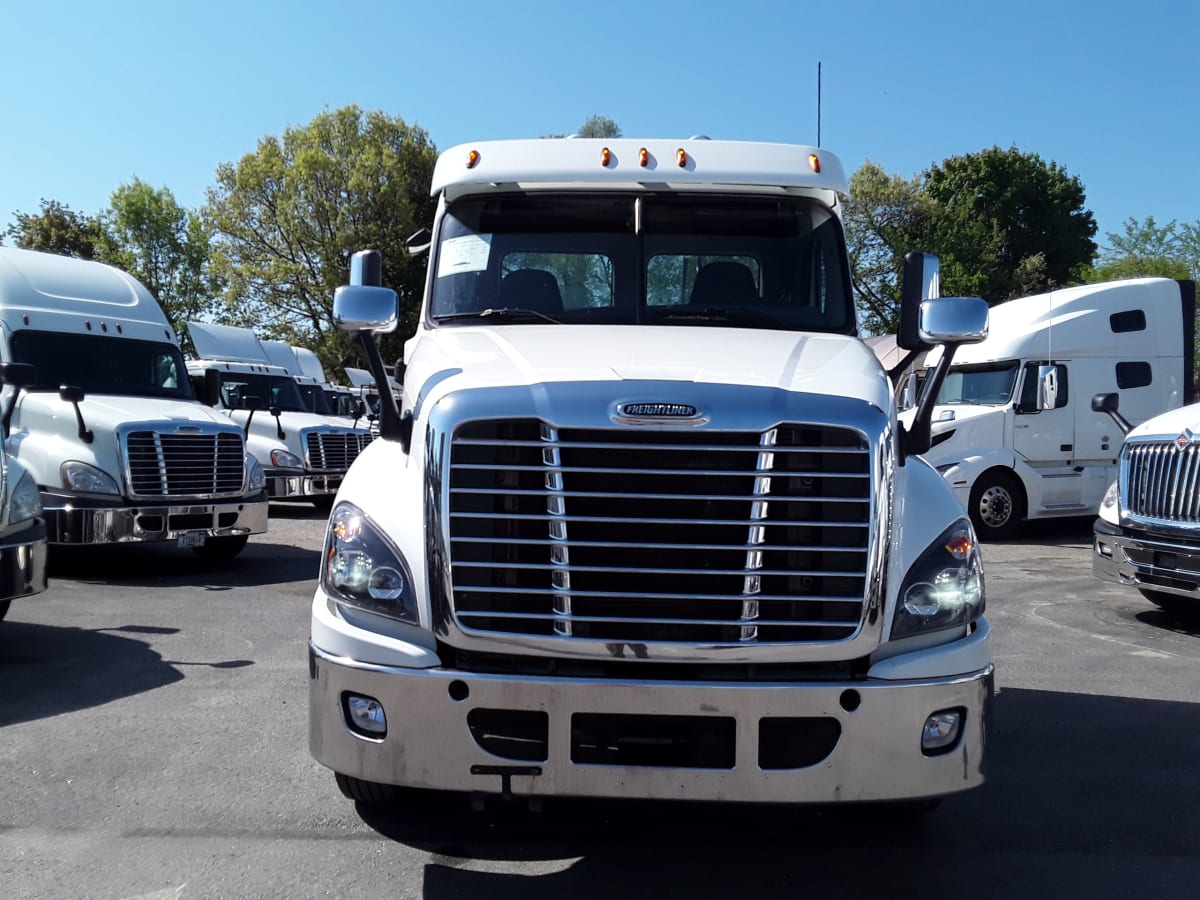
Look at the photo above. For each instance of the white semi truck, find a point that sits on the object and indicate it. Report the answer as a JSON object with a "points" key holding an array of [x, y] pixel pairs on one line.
{"points": [[304, 454], [644, 523], [104, 420], [1147, 535], [1014, 432], [22, 528]]}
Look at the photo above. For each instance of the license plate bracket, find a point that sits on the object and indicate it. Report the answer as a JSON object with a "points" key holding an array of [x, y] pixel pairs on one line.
{"points": [[191, 539]]}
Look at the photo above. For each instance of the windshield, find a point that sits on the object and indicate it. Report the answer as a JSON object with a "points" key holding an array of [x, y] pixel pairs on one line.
{"points": [[315, 400], [271, 390], [656, 258], [102, 365], [990, 384]]}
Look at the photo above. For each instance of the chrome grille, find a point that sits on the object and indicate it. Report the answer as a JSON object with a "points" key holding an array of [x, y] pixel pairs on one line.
{"points": [[717, 537], [1162, 479], [335, 449], [163, 465]]}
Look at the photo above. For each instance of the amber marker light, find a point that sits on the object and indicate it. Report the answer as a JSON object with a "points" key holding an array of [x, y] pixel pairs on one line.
{"points": [[605, 157], [681, 157], [472, 159], [643, 157], [814, 163], [960, 545]]}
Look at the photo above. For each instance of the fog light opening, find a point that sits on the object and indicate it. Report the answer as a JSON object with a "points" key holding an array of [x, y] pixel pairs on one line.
{"points": [[941, 731], [365, 716]]}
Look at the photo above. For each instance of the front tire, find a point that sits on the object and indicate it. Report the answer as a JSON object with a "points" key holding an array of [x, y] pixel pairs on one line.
{"points": [[221, 549], [369, 792], [997, 505]]}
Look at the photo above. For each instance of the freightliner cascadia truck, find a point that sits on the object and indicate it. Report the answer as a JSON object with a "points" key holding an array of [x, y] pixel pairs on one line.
{"points": [[643, 522]]}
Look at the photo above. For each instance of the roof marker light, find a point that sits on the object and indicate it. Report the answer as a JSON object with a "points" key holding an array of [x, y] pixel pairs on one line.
{"points": [[681, 157], [605, 157], [472, 159], [814, 163], [643, 157]]}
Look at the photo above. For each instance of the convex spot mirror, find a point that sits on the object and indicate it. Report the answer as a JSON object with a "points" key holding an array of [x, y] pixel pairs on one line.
{"points": [[953, 320], [358, 307]]}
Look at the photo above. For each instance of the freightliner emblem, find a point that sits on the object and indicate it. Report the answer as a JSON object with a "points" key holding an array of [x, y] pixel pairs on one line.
{"points": [[658, 410]]}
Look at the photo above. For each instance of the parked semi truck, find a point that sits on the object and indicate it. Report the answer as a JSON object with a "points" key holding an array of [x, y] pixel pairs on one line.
{"points": [[304, 454], [1147, 535], [104, 419], [643, 522], [22, 528], [1014, 432]]}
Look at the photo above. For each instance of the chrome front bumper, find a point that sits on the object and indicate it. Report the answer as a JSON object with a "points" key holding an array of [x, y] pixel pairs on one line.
{"points": [[1141, 560], [282, 487], [23, 563], [68, 522], [433, 740]]}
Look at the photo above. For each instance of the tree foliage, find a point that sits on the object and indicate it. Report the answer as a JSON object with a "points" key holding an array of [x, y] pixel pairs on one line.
{"points": [[1147, 248], [289, 215], [600, 127], [57, 228], [166, 247], [1004, 223]]}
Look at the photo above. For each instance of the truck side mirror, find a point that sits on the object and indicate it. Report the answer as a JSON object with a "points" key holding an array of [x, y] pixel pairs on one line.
{"points": [[251, 402], [953, 320], [1047, 387], [1109, 403], [74, 395], [18, 374], [212, 388], [419, 242], [922, 281], [361, 307]]}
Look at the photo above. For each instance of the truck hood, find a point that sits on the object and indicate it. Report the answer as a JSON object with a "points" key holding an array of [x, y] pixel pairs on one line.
{"points": [[448, 359], [102, 413], [974, 428], [1171, 424]]}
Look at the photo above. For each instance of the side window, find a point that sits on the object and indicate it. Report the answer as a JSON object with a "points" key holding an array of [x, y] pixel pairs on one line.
{"points": [[1133, 375], [1031, 383], [1129, 320]]}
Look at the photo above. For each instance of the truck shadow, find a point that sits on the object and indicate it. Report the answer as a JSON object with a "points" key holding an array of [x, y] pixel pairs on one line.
{"points": [[1072, 778], [1054, 532], [261, 563], [46, 671]]}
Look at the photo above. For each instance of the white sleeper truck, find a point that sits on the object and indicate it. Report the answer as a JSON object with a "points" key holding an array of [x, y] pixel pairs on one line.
{"points": [[643, 522], [104, 420], [304, 454], [22, 528], [1014, 432]]}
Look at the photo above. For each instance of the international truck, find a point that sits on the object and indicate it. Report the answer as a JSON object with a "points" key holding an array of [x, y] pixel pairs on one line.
{"points": [[1147, 535], [304, 455], [643, 522], [1014, 432], [104, 420]]}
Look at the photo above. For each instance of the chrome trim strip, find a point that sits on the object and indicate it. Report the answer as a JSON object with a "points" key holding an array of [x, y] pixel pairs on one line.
{"points": [[73, 524]]}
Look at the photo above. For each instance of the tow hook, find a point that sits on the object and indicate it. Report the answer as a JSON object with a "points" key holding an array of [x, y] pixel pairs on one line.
{"points": [[478, 798]]}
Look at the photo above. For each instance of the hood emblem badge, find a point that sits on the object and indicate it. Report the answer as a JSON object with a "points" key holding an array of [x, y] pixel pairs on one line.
{"points": [[1185, 438], [646, 413]]}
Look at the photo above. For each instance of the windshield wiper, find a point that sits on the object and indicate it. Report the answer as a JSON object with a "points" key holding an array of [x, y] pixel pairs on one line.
{"points": [[504, 314], [720, 316]]}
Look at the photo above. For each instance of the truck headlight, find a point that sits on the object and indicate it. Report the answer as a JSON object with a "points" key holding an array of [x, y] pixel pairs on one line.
{"points": [[361, 567], [944, 589], [256, 478], [79, 476], [26, 502], [1110, 506], [281, 459]]}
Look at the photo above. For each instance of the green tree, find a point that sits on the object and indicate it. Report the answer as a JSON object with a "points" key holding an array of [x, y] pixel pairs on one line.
{"points": [[1147, 248], [57, 228], [1008, 224], [166, 247], [289, 215], [885, 217], [600, 127]]}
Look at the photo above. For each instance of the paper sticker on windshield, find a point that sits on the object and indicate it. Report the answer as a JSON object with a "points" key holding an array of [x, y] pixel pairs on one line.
{"points": [[468, 253]]}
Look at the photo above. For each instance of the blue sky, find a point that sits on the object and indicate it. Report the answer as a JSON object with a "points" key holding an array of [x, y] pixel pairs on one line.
{"points": [[98, 93]]}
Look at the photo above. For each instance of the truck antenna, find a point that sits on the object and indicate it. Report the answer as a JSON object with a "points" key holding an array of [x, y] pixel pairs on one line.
{"points": [[818, 103]]}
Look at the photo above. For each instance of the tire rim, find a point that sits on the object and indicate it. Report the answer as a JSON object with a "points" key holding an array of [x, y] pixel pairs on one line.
{"points": [[995, 507]]}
